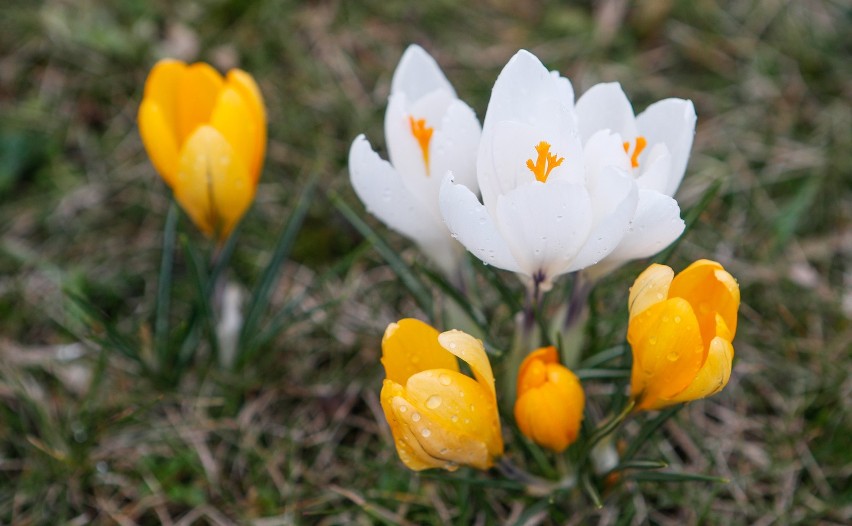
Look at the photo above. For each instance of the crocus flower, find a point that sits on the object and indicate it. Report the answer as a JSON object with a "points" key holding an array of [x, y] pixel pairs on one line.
{"points": [[549, 407], [439, 417], [206, 136], [654, 147], [429, 132], [680, 329], [548, 208]]}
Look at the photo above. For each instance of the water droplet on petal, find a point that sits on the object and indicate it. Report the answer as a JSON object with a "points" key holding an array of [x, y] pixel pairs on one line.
{"points": [[652, 341], [433, 402], [454, 419], [444, 379], [425, 432], [677, 319], [415, 417], [672, 356], [403, 409]]}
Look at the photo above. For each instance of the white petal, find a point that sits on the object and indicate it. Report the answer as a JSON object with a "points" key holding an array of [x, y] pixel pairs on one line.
{"points": [[672, 122], [418, 74], [655, 226], [615, 197], [566, 90], [605, 107], [545, 225], [604, 149], [655, 169], [455, 145], [380, 188], [470, 224]]}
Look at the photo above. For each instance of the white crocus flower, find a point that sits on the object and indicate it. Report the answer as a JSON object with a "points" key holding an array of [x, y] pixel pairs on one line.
{"points": [[548, 207], [429, 132], [654, 147]]}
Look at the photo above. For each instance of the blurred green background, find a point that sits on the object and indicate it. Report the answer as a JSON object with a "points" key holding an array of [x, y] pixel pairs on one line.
{"points": [[84, 439]]}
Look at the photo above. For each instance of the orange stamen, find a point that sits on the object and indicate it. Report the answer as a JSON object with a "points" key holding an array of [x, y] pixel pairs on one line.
{"points": [[641, 143], [423, 134], [544, 163]]}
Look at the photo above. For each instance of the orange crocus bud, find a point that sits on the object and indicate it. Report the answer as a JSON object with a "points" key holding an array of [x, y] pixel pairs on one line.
{"points": [[439, 417], [206, 136], [680, 329], [549, 407]]}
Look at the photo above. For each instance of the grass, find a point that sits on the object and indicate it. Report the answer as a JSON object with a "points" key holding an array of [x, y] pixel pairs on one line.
{"points": [[299, 437]]}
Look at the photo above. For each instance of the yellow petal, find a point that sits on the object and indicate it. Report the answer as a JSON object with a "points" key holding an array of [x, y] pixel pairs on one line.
{"points": [[440, 442], [471, 350], [162, 86], [407, 447], [667, 351], [158, 136], [458, 404], [247, 87], [652, 286], [533, 370], [197, 93], [714, 374], [233, 119], [212, 186], [701, 286], [411, 346]]}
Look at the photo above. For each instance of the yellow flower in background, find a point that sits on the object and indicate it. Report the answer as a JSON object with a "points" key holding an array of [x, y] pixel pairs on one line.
{"points": [[206, 136], [439, 417], [549, 407], [680, 329]]}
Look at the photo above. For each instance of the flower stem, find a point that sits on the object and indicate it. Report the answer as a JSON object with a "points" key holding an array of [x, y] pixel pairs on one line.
{"points": [[534, 485]]}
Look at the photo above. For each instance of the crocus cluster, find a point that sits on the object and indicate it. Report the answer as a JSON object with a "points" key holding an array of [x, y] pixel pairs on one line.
{"points": [[547, 186]]}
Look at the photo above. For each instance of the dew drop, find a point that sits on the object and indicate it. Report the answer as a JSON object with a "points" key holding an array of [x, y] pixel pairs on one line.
{"points": [[472, 407], [444, 379], [672, 356], [433, 402], [415, 417], [660, 296], [403, 409], [454, 419], [425, 433], [677, 319], [652, 341], [444, 451], [453, 345]]}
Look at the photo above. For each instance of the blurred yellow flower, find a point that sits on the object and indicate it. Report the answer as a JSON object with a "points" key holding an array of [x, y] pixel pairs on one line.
{"points": [[439, 417], [680, 329], [206, 136], [549, 407]]}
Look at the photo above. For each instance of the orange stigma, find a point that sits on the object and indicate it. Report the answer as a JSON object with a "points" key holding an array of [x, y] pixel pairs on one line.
{"points": [[423, 134], [641, 143], [545, 162]]}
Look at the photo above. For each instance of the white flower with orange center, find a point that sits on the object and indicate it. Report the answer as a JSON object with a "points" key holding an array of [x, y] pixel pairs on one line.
{"points": [[429, 132], [654, 146], [549, 207]]}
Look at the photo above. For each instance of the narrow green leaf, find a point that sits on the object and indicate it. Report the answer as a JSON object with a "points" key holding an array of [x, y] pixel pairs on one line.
{"points": [[164, 287], [401, 269], [647, 430], [652, 476], [455, 295], [588, 374], [640, 464], [589, 487], [203, 306], [603, 357], [262, 292]]}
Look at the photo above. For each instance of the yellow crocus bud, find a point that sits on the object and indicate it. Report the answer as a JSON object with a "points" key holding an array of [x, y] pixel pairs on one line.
{"points": [[549, 407], [439, 417], [206, 136], [680, 329]]}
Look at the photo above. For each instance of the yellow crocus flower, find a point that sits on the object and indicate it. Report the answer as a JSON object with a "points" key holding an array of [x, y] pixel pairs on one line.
{"points": [[206, 136], [439, 417], [681, 328], [549, 407]]}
